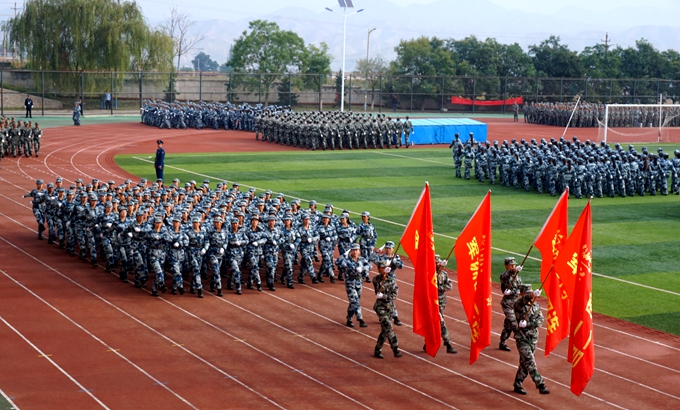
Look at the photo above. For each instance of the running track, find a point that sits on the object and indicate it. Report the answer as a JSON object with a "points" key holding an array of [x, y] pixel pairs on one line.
{"points": [[74, 336]]}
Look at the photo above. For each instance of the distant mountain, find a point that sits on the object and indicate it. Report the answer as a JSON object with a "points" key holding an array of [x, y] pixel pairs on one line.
{"points": [[450, 19]]}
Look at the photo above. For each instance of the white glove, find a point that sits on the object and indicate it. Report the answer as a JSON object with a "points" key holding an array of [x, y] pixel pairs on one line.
{"points": [[137, 229], [256, 244], [518, 268], [176, 245], [96, 226], [221, 251], [328, 239], [108, 225], [444, 262], [129, 234], [522, 324], [507, 292], [274, 243], [292, 246], [60, 204], [238, 243], [388, 269], [379, 295], [68, 223], [101, 235], [360, 269], [537, 292], [202, 251], [309, 240], [380, 249]]}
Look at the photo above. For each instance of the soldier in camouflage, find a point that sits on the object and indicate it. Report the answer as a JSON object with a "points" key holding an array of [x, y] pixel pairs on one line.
{"points": [[529, 318], [510, 283], [386, 292]]}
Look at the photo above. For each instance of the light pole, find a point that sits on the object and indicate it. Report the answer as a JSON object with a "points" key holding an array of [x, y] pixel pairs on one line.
{"points": [[344, 4], [368, 43]]}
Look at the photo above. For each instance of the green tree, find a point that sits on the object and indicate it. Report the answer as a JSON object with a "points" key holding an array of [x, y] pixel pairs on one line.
{"points": [[417, 65], [203, 62], [315, 65], [79, 35], [266, 49], [552, 59], [373, 70]]}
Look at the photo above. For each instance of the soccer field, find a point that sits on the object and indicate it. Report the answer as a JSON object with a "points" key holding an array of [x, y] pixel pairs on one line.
{"points": [[635, 240]]}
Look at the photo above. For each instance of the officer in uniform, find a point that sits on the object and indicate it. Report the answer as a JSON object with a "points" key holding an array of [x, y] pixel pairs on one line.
{"points": [[353, 267], [386, 292], [198, 246], [529, 318], [39, 196], [327, 238], [394, 262], [510, 285], [176, 254], [368, 236], [158, 239], [288, 243], [159, 162], [444, 285]]}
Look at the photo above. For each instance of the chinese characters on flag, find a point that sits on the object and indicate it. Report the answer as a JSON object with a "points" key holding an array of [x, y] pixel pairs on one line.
{"points": [[473, 260], [418, 243], [574, 266], [550, 241]]}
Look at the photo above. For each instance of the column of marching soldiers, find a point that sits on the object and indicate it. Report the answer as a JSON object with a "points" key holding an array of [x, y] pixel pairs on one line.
{"points": [[586, 168], [19, 138], [198, 233], [279, 124], [592, 115]]}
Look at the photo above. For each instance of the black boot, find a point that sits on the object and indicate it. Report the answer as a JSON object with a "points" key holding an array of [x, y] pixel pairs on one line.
{"points": [[543, 390], [349, 323], [200, 293], [397, 322], [396, 351], [219, 292], [502, 346], [181, 291], [450, 349], [362, 323], [520, 390], [377, 353]]}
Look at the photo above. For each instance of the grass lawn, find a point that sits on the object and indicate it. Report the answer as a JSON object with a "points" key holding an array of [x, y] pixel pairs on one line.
{"points": [[635, 240]]}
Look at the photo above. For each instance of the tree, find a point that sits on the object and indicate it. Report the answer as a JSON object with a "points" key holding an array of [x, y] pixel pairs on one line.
{"points": [[177, 27], [373, 70], [202, 62], [267, 50], [418, 63], [315, 65], [553, 59], [79, 35]]}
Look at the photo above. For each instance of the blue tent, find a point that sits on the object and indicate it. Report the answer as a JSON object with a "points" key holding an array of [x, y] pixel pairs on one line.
{"points": [[442, 131]]}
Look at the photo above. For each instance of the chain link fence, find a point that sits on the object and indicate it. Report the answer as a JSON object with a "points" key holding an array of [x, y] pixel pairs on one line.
{"points": [[55, 92]]}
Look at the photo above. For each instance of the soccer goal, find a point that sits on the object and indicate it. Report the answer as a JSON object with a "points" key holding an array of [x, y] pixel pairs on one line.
{"points": [[640, 123]]}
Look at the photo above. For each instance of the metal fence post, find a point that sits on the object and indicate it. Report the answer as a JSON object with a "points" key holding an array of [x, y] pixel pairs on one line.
{"points": [[2, 94], [441, 108], [349, 106], [634, 91], [611, 86], [380, 94], [259, 90], [561, 81], [111, 94], [320, 85], [585, 93], [42, 91], [537, 80], [229, 96], [410, 108], [505, 90], [290, 90], [82, 92], [171, 87], [200, 85], [474, 94], [141, 89]]}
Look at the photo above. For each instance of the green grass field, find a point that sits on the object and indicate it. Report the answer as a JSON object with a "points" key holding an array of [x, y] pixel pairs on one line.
{"points": [[635, 240]]}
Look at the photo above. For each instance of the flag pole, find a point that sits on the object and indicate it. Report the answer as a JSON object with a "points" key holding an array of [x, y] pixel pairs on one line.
{"points": [[546, 277], [527, 255], [451, 252]]}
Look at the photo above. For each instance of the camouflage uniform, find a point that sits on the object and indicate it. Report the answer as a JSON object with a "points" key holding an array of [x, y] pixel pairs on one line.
{"points": [[288, 243], [198, 246], [157, 241], [307, 246], [527, 338], [176, 255], [354, 272], [39, 196], [510, 283], [386, 292], [271, 252], [327, 240]]}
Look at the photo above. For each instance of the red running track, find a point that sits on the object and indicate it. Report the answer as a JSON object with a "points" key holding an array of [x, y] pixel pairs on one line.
{"points": [[75, 337]]}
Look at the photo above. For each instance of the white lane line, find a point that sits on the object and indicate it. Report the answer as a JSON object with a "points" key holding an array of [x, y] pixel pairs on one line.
{"points": [[173, 342], [109, 348], [6, 397], [45, 356], [439, 234]]}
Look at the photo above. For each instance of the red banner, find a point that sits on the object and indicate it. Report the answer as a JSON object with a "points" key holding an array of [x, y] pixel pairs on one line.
{"points": [[550, 241], [465, 101], [473, 260], [574, 264], [418, 242]]}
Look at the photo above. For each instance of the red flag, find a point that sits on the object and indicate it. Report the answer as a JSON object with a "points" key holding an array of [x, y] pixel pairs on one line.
{"points": [[574, 264], [473, 259], [550, 241], [418, 242]]}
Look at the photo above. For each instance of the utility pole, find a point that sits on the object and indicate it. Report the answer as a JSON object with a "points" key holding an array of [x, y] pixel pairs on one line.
{"points": [[368, 43], [14, 46], [606, 42]]}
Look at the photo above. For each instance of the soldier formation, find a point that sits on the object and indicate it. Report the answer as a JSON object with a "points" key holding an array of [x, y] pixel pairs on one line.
{"points": [[332, 130], [592, 115], [201, 115], [586, 169], [19, 138]]}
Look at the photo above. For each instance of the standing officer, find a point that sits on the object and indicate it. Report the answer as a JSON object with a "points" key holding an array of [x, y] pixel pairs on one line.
{"points": [[529, 318], [159, 162], [510, 285], [385, 292], [28, 103]]}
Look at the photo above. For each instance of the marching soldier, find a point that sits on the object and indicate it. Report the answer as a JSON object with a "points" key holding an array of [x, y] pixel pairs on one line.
{"points": [[510, 285], [386, 292], [529, 318]]}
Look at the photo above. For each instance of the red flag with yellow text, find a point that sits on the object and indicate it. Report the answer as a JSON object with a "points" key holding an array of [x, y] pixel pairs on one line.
{"points": [[574, 264], [473, 261], [418, 243], [550, 241]]}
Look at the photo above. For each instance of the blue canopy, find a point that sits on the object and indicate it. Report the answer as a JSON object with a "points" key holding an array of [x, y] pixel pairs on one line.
{"points": [[442, 131]]}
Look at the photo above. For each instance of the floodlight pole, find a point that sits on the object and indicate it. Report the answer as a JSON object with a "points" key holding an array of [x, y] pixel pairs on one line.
{"points": [[368, 44], [344, 16]]}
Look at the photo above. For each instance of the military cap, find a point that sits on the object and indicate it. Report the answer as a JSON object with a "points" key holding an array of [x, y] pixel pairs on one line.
{"points": [[175, 180], [59, 180], [268, 192], [305, 216], [158, 219], [389, 244], [437, 259], [288, 217], [255, 216], [72, 186], [159, 141], [365, 213], [187, 185], [325, 216], [234, 220], [195, 219], [510, 261], [235, 184], [176, 219], [39, 181], [344, 216], [526, 288], [108, 205], [217, 219], [206, 181], [140, 213], [356, 246], [128, 181], [112, 182], [50, 185], [251, 189], [312, 202], [143, 180], [281, 195]]}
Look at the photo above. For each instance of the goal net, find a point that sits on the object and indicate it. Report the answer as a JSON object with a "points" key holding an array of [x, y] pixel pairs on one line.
{"points": [[639, 123]]}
